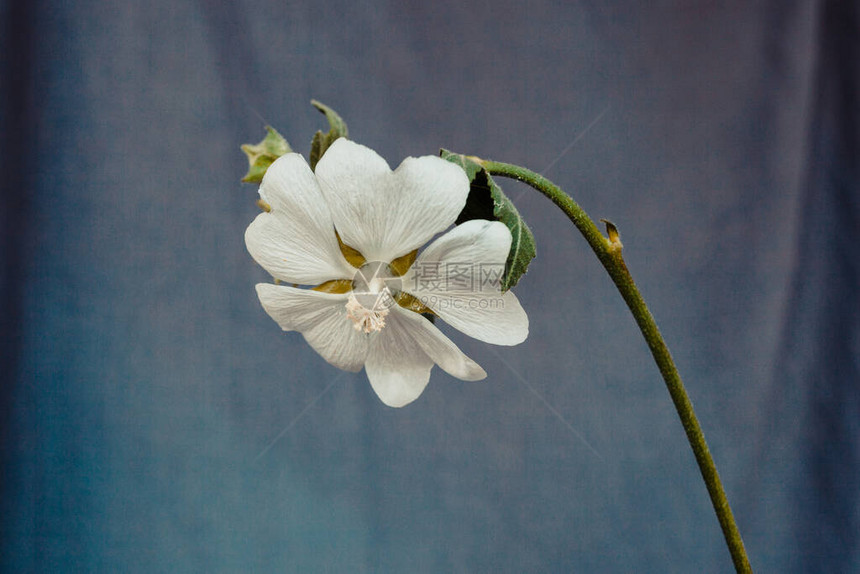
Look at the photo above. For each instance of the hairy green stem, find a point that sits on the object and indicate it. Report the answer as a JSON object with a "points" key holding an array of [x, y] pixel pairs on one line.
{"points": [[608, 251]]}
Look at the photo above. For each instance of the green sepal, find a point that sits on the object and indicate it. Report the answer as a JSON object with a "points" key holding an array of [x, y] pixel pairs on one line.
{"points": [[261, 155], [487, 201], [321, 141]]}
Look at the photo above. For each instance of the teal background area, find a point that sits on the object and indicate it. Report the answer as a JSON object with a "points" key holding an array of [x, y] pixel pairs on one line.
{"points": [[155, 419]]}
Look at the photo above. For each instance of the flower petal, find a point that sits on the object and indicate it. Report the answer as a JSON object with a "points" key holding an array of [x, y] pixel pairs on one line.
{"points": [[398, 370], [442, 350], [321, 319], [387, 214], [295, 241], [458, 275], [403, 353]]}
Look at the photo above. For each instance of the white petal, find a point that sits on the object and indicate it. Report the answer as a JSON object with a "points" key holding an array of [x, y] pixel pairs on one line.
{"points": [[387, 214], [295, 241], [498, 319], [438, 347], [321, 319], [453, 277], [403, 353], [397, 368]]}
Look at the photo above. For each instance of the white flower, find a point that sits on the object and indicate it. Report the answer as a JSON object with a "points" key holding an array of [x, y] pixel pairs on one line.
{"points": [[367, 316]]}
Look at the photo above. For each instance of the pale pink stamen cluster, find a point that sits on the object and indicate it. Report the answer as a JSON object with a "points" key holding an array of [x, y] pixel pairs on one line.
{"points": [[364, 319]]}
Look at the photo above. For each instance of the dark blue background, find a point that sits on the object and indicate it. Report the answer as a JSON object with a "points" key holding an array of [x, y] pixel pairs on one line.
{"points": [[155, 419]]}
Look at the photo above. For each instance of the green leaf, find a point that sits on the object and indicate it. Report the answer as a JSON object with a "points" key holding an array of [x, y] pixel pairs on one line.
{"points": [[487, 201], [321, 141], [261, 155]]}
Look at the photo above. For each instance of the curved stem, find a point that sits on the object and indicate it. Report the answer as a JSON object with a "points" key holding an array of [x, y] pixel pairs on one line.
{"points": [[608, 251]]}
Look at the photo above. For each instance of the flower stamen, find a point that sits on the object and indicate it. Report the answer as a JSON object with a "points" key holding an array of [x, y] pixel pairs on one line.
{"points": [[369, 320]]}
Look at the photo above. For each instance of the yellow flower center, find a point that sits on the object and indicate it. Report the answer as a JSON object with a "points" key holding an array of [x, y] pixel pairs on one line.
{"points": [[374, 289]]}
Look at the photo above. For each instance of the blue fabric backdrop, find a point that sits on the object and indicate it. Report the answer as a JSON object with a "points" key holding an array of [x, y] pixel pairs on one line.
{"points": [[155, 419]]}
